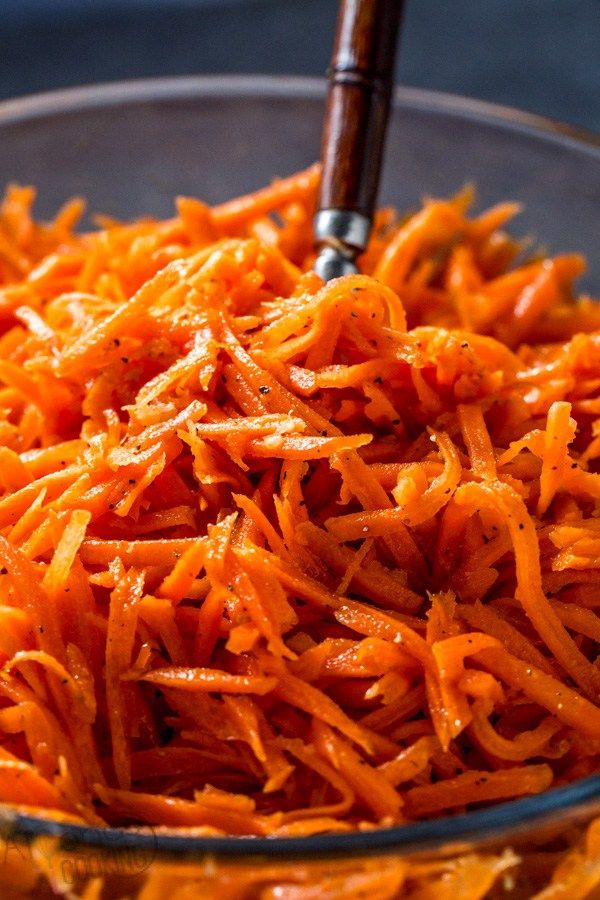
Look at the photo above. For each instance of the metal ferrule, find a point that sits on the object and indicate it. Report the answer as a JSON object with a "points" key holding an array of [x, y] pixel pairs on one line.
{"points": [[342, 228]]}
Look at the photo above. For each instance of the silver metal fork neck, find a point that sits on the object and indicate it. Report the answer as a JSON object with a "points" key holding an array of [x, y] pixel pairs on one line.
{"points": [[342, 234]]}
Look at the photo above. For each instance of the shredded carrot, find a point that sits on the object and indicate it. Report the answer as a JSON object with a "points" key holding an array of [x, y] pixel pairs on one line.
{"points": [[281, 557]]}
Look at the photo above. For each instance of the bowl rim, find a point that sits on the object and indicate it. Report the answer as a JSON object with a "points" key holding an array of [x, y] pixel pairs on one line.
{"points": [[182, 87], [447, 833]]}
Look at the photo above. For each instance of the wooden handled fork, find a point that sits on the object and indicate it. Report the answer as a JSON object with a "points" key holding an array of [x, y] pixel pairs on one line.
{"points": [[361, 79]]}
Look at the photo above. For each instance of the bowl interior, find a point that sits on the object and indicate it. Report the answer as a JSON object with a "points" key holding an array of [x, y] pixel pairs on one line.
{"points": [[129, 149]]}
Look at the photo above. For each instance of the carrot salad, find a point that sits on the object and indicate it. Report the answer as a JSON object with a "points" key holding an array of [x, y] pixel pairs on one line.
{"points": [[279, 557]]}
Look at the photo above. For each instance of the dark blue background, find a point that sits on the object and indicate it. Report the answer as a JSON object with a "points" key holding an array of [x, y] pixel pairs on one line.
{"points": [[540, 55]]}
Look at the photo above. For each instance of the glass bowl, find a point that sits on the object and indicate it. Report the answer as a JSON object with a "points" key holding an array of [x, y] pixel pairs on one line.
{"points": [[129, 148]]}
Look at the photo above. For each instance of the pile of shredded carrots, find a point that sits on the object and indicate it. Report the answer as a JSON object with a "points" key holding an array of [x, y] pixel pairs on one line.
{"points": [[281, 558]]}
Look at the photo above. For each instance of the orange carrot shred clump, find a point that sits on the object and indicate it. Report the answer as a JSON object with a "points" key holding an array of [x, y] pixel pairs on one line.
{"points": [[281, 557]]}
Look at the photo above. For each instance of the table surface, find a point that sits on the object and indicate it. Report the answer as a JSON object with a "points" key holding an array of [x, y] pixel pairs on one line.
{"points": [[539, 55]]}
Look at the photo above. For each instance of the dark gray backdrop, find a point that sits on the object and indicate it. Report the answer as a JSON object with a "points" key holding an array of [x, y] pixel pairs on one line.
{"points": [[541, 55]]}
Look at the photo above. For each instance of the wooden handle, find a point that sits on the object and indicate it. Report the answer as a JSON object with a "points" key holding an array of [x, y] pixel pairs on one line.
{"points": [[360, 86]]}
